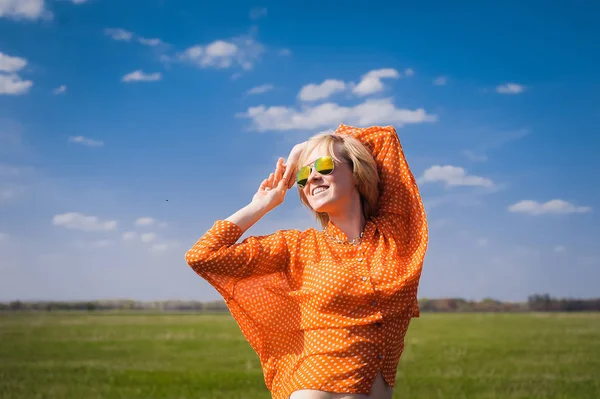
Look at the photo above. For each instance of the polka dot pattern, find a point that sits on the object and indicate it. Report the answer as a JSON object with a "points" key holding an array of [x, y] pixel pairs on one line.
{"points": [[322, 315]]}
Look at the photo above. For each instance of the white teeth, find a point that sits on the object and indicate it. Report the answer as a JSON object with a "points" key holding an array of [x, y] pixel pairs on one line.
{"points": [[319, 189]]}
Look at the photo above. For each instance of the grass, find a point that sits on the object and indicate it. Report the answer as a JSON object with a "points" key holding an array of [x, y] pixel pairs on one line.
{"points": [[177, 356]]}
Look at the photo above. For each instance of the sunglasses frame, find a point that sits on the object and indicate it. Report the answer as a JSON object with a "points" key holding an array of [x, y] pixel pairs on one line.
{"points": [[312, 166]]}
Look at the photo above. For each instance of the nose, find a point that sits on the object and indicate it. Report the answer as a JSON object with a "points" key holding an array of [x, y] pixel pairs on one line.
{"points": [[314, 175]]}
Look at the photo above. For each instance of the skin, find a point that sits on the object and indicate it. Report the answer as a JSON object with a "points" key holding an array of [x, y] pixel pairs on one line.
{"points": [[379, 390], [341, 201]]}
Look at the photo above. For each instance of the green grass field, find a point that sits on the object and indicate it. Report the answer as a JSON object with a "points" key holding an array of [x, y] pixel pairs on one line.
{"points": [[104, 355]]}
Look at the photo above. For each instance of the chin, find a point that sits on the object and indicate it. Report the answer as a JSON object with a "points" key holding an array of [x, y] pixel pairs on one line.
{"points": [[323, 206]]}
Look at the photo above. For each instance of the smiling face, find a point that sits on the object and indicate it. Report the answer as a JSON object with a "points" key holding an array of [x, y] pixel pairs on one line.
{"points": [[329, 193]]}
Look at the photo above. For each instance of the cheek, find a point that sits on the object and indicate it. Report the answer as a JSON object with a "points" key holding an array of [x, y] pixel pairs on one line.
{"points": [[305, 192], [343, 184]]}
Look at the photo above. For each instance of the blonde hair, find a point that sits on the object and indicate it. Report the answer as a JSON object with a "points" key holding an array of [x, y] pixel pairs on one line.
{"points": [[364, 170]]}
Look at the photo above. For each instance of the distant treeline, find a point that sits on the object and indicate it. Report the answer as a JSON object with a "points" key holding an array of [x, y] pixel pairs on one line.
{"points": [[537, 303]]}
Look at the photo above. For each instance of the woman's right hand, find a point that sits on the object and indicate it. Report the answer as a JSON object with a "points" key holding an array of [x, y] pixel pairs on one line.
{"points": [[289, 176], [272, 190]]}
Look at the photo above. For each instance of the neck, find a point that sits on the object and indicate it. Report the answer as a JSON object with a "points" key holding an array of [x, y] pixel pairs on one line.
{"points": [[349, 218]]}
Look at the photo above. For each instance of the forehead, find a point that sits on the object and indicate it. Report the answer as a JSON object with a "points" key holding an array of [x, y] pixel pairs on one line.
{"points": [[320, 151]]}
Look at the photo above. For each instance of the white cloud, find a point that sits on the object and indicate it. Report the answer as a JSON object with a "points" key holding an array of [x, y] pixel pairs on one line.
{"points": [[312, 92], [60, 89], [78, 1], [126, 36], [9, 63], [118, 34], [219, 54], [145, 221], [328, 115], [129, 235], [510, 88], [13, 84], [4, 236], [371, 81], [556, 206], [140, 76], [24, 9], [242, 51], [10, 82], [85, 141], [147, 237], [453, 176], [78, 221], [260, 89], [482, 242], [258, 12], [440, 81], [285, 52], [149, 42]]}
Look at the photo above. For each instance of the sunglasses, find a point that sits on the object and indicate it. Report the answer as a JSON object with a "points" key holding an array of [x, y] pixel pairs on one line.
{"points": [[323, 165]]}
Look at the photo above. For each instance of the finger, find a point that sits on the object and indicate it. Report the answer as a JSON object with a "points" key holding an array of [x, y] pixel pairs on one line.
{"points": [[279, 170], [281, 185], [291, 179], [283, 172], [263, 184], [270, 180], [289, 172], [286, 174]]}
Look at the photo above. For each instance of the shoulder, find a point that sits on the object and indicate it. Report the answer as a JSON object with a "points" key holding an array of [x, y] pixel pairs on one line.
{"points": [[297, 239], [299, 235]]}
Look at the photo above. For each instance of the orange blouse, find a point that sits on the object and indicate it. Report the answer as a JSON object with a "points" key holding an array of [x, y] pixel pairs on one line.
{"points": [[319, 314]]}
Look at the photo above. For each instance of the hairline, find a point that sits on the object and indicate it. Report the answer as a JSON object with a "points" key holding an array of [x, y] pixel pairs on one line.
{"points": [[327, 140]]}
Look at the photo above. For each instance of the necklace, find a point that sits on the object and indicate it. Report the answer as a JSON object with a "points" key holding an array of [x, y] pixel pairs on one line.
{"points": [[355, 241]]}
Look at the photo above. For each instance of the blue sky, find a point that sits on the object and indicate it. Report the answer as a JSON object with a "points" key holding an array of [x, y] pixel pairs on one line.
{"points": [[128, 128]]}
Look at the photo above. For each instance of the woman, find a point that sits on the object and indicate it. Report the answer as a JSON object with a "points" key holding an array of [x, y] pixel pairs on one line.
{"points": [[326, 311]]}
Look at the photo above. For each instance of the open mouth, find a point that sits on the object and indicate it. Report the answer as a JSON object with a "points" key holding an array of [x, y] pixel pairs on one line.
{"points": [[320, 189]]}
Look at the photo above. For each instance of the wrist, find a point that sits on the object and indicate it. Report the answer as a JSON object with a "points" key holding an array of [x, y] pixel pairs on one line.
{"points": [[258, 208]]}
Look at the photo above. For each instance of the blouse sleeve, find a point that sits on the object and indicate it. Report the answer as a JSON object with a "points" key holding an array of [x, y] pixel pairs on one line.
{"points": [[400, 204], [218, 259], [400, 210]]}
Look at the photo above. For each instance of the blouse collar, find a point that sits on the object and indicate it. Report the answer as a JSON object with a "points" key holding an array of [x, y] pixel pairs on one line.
{"points": [[337, 233]]}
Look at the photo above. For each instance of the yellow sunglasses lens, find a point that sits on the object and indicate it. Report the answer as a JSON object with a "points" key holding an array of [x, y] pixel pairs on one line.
{"points": [[302, 176], [323, 165]]}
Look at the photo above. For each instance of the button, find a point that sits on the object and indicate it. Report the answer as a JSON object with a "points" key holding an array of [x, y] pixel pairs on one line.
{"points": [[364, 279], [374, 303], [379, 356]]}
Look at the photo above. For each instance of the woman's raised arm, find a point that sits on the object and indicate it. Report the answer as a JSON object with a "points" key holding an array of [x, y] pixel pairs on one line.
{"points": [[216, 256], [400, 201]]}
